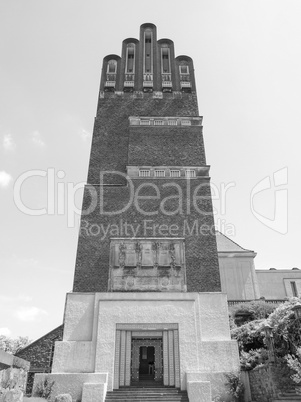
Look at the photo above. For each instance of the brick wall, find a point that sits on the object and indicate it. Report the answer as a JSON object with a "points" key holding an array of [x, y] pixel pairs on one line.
{"points": [[40, 354], [92, 262], [115, 145], [267, 381], [110, 141]]}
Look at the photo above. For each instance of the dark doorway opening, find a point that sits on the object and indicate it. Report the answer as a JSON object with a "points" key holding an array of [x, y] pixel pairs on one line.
{"points": [[147, 361]]}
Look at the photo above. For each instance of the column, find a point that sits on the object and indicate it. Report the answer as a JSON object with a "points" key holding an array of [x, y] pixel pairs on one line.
{"points": [[128, 358], [171, 362], [117, 360], [165, 359], [177, 359], [122, 358]]}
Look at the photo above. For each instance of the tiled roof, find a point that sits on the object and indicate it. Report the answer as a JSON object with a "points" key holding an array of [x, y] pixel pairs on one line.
{"points": [[224, 244]]}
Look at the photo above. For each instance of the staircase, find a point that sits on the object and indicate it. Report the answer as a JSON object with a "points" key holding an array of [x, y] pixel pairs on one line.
{"points": [[154, 393], [290, 396]]}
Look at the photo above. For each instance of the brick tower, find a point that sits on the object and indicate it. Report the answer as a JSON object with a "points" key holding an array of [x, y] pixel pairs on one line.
{"points": [[146, 302]]}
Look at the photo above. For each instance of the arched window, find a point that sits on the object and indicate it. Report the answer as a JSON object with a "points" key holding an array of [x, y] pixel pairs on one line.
{"points": [[184, 69], [130, 58], [148, 52], [112, 67], [184, 73], [165, 54]]}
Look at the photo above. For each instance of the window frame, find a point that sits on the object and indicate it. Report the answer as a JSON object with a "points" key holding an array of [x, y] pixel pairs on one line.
{"points": [[130, 46], [112, 62], [190, 173], [148, 31]]}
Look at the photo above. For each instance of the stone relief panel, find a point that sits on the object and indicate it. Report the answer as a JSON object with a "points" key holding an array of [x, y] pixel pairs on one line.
{"points": [[147, 265]]}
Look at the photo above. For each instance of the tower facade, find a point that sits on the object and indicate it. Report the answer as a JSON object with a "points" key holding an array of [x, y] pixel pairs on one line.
{"points": [[149, 171], [146, 300]]}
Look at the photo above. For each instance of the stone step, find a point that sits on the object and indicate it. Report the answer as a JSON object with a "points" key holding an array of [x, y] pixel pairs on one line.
{"points": [[145, 398], [149, 394], [147, 389], [289, 395], [153, 398], [288, 399]]}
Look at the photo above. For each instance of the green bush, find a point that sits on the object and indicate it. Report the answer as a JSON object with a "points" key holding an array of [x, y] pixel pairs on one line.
{"points": [[254, 310], [286, 334], [294, 363], [44, 388], [249, 336], [233, 389], [285, 328], [253, 358]]}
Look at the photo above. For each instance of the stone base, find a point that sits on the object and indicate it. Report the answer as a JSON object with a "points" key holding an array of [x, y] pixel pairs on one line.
{"points": [[94, 392], [197, 379], [99, 329], [78, 385], [199, 391]]}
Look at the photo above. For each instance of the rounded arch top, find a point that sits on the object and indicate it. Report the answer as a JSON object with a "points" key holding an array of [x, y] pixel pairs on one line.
{"points": [[165, 41], [130, 40], [184, 58], [111, 57], [148, 25]]}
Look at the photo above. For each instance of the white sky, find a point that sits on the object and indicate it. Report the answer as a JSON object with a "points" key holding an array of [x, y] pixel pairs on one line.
{"points": [[247, 64]]}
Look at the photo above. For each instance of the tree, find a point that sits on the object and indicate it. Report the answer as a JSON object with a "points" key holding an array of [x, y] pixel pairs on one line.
{"points": [[13, 345], [286, 333]]}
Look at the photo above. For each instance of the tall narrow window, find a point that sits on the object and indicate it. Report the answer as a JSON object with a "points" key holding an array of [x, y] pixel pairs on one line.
{"points": [[148, 68], [294, 289], [184, 70], [165, 60], [112, 67], [130, 58], [111, 75]]}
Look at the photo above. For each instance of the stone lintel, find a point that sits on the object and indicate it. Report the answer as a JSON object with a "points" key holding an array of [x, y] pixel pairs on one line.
{"points": [[168, 172], [8, 360], [171, 121]]}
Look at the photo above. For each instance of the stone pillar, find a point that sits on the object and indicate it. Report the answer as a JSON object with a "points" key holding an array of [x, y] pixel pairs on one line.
{"points": [[128, 358], [165, 359], [177, 359], [122, 359], [117, 358], [171, 358]]}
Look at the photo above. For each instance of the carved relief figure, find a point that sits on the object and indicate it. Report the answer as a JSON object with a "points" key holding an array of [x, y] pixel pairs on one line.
{"points": [[172, 254], [155, 248], [122, 255], [139, 254]]}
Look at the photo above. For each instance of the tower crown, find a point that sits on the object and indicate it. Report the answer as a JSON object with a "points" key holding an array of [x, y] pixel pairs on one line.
{"points": [[147, 65]]}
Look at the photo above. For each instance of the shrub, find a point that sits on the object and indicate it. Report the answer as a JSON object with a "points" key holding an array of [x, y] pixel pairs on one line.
{"points": [[249, 336], [286, 329], [233, 389], [235, 385], [254, 310], [44, 388], [294, 363], [253, 358]]}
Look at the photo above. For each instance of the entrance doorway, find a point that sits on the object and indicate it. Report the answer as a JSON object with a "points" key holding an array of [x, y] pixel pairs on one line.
{"points": [[150, 350], [146, 360]]}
